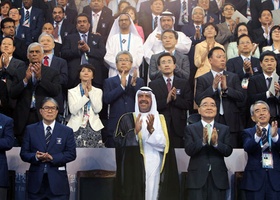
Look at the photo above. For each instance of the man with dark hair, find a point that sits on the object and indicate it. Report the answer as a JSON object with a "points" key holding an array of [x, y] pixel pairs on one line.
{"points": [[84, 47], [48, 146], [174, 98], [8, 30], [146, 164], [169, 40], [207, 143], [259, 87], [225, 88]]}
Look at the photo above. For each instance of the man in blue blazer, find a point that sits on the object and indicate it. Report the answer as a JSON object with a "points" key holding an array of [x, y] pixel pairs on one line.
{"points": [[207, 143], [261, 142], [6, 143], [33, 21], [119, 91], [48, 146]]}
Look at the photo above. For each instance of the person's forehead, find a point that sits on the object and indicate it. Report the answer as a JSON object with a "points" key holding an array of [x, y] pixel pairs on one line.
{"points": [[168, 34], [14, 10], [124, 16], [207, 100], [218, 52], [37, 47], [145, 93], [7, 40], [228, 6], [124, 56], [49, 103], [269, 57], [82, 18], [166, 18], [47, 26], [46, 37], [57, 9]]}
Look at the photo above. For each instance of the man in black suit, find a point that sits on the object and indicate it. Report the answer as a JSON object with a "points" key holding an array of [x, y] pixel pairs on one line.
{"points": [[57, 63], [210, 15], [261, 35], [77, 51], [100, 18], [8, 69], [259, 85], [64, 26], [207, 143], [225, 88], [244, 65], [32, 19], [38, 82], [174, 98], [6, 143], [8, 30], [148, 19]]}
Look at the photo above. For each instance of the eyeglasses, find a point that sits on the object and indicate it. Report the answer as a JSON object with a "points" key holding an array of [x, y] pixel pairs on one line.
{"points": [[276, 31], [9, 27], [49, 108], [121, 60], [205, 105], [228, 9]]}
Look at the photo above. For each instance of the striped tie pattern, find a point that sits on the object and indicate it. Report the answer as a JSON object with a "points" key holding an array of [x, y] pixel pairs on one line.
{"points": [[26, 19], [48, 135]]}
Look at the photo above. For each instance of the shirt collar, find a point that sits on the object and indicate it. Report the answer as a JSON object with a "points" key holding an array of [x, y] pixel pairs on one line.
{"points": [[51, 125], [204, 123]]}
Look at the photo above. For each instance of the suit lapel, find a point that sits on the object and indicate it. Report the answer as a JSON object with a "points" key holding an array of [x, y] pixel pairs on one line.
{"points": [[55, 136], [41, 135]]}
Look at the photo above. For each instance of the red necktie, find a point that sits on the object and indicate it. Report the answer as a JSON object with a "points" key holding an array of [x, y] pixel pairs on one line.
{"points": [[46, 61], [168, 84]]}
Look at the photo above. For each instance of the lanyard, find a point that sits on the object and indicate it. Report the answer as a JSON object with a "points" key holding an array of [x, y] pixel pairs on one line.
{"points": [[128, 44], [82, 93]]}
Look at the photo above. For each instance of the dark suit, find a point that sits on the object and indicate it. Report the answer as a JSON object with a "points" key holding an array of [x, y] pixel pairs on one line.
{"points": [[121, 101], [232, 101], [6, 143], [182, 69], [235, 65], [72, 54], [204, 156], [66, 28], [48, 86], [105, 21], [60, 65], [257, 89], [8, 75], [21, 48], [21, 34], [259, 38], [176, 6], [146, 22], [71, 15], [36, 23], [62, 148], [215, 11], [256, 178], [175, 111]]}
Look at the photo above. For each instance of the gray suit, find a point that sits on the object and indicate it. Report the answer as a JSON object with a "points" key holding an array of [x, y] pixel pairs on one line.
{"points": [[182, 69]]}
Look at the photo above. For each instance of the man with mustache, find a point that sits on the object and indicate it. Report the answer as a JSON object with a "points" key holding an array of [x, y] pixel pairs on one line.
{"points": [[143, 153]]}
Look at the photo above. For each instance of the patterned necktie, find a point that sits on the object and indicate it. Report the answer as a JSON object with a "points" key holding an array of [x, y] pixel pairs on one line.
{"points": [[55, 32], [268, 83], [95, 22], [46, 61], [264, 138], [48, 135], [208, 126], [84, 58], [185, 12], [155, 22], [26, 19], [168, 84]]}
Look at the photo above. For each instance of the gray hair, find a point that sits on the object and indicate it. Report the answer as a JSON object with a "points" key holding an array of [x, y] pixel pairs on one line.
{"points": [[46, 99], [198, 7], [126, 53], [45, 34], [252, 108], [34, 44]]}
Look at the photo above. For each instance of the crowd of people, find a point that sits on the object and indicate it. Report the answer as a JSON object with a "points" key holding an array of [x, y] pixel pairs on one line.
{"points": [[82, 64]]}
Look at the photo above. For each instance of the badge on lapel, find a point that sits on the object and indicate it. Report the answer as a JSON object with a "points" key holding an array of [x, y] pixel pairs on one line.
{"points": [[58, 140]]}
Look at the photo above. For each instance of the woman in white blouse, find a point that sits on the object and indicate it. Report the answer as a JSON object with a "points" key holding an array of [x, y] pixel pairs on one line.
{"points": [[85, 102]]}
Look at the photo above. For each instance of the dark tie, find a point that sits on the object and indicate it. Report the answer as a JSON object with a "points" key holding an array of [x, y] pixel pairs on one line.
{"points": [[48, 135], [46, 61], [269, 79], [264, 137], [26, 19], [168, 84], [55, 32], [155, 22], [185, 13]]}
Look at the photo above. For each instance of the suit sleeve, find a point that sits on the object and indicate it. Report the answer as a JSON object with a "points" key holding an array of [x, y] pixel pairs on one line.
{"points": [[7, 135], [51, 83], [202, 89], [153, 68], [193, 143], [183, 71]]}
